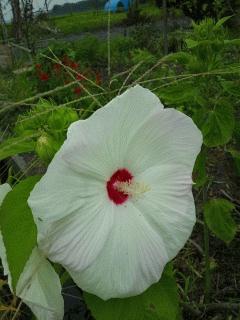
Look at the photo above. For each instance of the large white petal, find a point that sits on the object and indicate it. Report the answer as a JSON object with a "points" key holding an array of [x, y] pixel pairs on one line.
{"points": [[40, 288], [76, 240], [61, 191], [168, 136], [133, 106], [169, 205], [99, 143], [132, 259]]}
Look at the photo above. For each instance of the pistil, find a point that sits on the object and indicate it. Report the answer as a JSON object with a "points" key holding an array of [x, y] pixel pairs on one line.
{"points": [[132, 188]]}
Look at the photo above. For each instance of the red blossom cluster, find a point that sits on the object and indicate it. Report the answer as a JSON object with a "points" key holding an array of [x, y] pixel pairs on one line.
{"points": [[57, 72], [42, 75], [69, 62], [57, 68]]}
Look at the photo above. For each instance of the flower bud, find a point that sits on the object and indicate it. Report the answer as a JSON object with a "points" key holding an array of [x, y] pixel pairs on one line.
{"points": [[61, 118], [46, 147]]}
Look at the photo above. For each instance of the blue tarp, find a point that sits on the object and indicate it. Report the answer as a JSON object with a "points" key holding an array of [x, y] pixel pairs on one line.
{"points": [[112, 5]]}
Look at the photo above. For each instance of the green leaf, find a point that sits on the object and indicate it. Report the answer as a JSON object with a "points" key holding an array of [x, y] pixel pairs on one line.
{"points": [[13, 146], [234, 42], [179, 93], [160, 301], [191, 43], [221, 22], [17, 227], [216, 125], [180, 57], [217, 213], [199, 172]]}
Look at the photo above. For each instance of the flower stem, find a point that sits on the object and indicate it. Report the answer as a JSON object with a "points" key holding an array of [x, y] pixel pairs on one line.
{"points": [[207, 263], [207, 280]]}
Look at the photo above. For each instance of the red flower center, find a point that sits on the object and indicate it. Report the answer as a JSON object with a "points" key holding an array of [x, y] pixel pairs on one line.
{"points": [[121, 175]]}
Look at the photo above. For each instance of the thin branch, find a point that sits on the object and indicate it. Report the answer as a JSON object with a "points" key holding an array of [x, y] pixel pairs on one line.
{"points": [[197, 246], [17, 311], [230, 197], [59, 88], [129, 75], [37, 96], [150, 70]]}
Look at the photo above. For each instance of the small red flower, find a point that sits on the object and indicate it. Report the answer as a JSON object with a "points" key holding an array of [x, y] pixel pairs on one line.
{"points": [[98, 78], [43, 76], [73, 65], [79, 77], [38, 66], [57, 67], [66, 60], [77, 90]]}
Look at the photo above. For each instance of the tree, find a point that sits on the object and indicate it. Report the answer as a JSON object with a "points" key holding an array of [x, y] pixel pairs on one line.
{"points": [[2, 24], [200, 9], [17, 19], [165, 27], [46, 5], [164, 5], [28, 24]]}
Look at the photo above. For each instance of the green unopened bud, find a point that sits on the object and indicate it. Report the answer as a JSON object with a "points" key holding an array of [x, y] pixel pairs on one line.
{"points": [[61, 118], [46, 147]]}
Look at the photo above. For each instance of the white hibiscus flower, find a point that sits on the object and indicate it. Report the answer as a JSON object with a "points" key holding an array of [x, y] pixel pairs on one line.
{"points": [[116, 203], [39, 285]]}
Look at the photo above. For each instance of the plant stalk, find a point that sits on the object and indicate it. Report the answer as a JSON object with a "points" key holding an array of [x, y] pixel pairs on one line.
{"points": [[207, 279], [207, 263]]}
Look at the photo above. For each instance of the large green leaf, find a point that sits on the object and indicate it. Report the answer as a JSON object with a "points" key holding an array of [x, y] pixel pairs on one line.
{"points": [[221, 22], [17, 227], [178, 93], [217, 213], [217, 125], [199, 172], [13, 146], [179, 57], [203, 43], [160, 301], [191, 43]]}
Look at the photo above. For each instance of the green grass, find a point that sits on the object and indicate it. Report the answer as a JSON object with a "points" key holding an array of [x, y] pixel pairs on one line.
{"points": [[92, 21], [86, 21]]}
